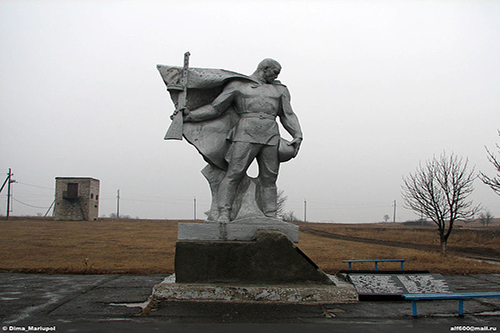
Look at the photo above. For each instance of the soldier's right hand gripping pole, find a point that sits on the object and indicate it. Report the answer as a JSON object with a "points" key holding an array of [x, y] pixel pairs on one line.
{"points": [[175, 130]]}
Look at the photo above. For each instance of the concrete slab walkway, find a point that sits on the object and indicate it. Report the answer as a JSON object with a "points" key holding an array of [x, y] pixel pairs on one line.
{"points": [[111, 303]]}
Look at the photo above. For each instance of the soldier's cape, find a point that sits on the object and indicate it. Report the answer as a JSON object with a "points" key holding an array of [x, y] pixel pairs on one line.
{"points": [[204, 85]]}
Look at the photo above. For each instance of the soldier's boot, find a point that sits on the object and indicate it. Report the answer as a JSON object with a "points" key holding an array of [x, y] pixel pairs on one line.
{"points": [[269, 201]]}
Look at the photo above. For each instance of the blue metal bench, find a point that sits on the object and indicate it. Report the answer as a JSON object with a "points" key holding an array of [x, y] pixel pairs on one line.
{"points": [[444, 296], [376, 261]]}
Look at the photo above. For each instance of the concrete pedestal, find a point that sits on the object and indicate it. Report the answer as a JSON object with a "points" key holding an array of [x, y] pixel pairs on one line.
{"points": [[270, 259], [269, 268], [237, 230]]}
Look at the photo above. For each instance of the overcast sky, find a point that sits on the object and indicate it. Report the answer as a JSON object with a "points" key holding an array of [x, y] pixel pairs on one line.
{"points": [[378, 86]]}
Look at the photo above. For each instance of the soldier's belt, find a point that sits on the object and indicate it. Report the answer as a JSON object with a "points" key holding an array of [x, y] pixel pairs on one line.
{"points": [[260, 115]]}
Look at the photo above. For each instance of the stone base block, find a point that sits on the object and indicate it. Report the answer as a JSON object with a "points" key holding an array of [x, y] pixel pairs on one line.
{"points": [[271, 259], [238, 230], [338, 292]]}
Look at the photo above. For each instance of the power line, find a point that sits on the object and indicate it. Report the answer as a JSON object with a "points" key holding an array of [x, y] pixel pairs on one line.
{"points": [[186, 202], [46, 188], [23, 203], [345, 204]]}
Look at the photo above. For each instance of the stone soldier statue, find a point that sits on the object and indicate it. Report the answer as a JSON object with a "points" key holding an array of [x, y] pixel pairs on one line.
{"points": [[236, 126]]}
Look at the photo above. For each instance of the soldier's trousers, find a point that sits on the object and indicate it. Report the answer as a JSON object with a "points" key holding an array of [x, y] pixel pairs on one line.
{"points": [[239, 157]]}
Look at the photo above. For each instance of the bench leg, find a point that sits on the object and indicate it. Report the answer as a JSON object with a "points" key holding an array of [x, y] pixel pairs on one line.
{"points": [[376, 265], [350, 266], [460, 307], [402, 265], [414, 308]]}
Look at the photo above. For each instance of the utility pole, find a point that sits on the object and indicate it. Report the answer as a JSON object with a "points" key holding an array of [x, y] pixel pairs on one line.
{"points": [[194, 208], [118, 204], [8, 181], [1, 189], [305, 210], [8, 193], [394, 217]]}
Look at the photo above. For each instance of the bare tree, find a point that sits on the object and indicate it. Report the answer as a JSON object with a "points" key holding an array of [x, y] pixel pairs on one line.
{"points": [[290, 217], [439, 191], [280, 206], [494, 182], [386, 218], [114, 216], [486, 217]]}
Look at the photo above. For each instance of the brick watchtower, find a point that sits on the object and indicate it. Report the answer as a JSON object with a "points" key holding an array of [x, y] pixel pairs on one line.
{"points": [[77, 199]]}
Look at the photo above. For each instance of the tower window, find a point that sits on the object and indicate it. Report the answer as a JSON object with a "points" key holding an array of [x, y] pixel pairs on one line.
{"points": [[72, 192]]}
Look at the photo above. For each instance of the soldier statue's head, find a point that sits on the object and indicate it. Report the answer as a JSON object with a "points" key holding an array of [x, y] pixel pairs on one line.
{"points": [[268, 70]]}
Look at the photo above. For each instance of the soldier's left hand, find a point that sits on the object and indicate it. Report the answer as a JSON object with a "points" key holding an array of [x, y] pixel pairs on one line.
{"points": [[296, 142]]}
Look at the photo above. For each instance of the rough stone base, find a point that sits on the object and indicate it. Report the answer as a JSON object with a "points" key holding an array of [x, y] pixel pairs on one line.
{"points": [[338, 292], [238, 230], [271, 259]]}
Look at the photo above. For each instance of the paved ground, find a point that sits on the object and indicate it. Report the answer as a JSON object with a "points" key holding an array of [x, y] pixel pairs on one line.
{"points": [[111, 303]]}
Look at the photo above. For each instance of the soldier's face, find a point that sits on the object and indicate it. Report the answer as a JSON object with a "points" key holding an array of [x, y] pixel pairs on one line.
{"points": [[271, 73]]}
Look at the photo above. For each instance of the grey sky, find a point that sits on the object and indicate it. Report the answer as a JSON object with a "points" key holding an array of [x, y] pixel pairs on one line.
{"points": [[378, 86]]}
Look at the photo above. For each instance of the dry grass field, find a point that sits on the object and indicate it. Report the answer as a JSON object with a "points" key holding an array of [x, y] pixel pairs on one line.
{"points": [[148, 246], [481, 239], [135, 246], [329, 253]]}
